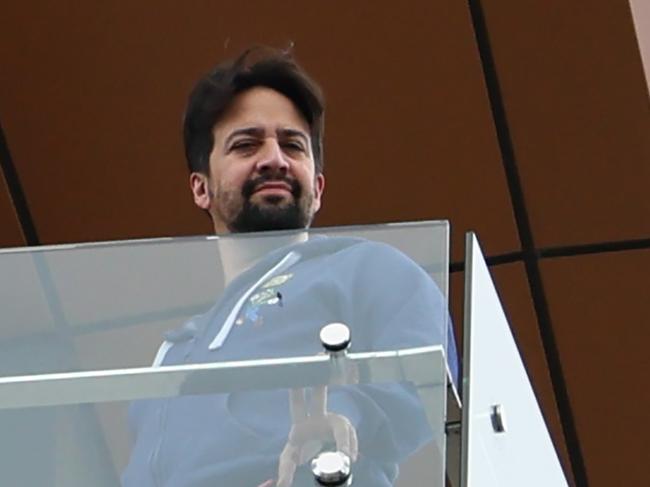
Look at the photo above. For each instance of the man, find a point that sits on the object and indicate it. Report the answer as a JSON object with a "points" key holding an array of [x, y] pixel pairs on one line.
{"points": [[253, 139]]}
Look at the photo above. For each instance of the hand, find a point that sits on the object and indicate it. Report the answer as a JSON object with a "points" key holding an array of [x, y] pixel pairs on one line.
{"points": [[311, 428]]}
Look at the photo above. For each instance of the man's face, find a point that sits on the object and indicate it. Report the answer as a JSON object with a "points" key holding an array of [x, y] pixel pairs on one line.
{"points": [[262, 174]]}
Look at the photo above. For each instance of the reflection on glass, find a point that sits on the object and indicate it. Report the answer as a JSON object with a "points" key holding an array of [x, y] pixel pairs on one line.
{"points": [[236, 298]]}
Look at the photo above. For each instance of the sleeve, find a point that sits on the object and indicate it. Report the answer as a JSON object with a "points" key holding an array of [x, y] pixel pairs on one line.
{"points": [[395, 305]]}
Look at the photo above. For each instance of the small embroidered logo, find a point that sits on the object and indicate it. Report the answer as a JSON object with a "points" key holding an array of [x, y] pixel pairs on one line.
{"points": [[267, 295]]}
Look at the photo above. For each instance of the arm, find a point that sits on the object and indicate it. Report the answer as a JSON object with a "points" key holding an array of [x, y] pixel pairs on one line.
{"points": [[395, 305], [392, 305]]}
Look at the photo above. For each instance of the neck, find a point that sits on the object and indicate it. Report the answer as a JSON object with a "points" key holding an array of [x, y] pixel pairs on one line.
{"points": [[240, 253]]}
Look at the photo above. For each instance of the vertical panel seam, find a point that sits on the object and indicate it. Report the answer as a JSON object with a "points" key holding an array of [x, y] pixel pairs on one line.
{"points": [[529, 252], [16, 193]]}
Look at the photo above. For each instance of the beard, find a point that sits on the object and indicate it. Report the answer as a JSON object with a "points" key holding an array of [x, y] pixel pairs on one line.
{"points": [[274, 212]]}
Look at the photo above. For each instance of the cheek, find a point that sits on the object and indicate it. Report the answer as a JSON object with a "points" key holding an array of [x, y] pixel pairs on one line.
{"points": [[305, 176], [232, 180]]}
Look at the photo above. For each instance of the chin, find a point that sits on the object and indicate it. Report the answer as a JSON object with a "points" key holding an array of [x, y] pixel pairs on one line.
{"points": [[265, 217], [275, 200]]}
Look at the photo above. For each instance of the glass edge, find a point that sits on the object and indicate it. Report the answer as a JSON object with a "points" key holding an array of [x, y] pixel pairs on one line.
{"points": [[201, 238]]}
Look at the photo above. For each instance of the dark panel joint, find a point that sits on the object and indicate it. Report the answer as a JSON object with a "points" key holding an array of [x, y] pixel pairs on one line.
{"points": [[529, 252], [594, 248], [16, 192]]}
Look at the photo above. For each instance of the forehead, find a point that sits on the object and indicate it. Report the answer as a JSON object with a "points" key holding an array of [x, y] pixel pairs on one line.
{"points": [[260, 107]]}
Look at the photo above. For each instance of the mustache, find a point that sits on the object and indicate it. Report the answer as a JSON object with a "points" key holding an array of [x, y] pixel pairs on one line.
{"points": [[249, 186]]}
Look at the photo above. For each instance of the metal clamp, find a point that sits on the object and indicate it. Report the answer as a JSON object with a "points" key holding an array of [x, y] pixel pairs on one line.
{"points": [[497, 416], [332, 469], [453, 427], [335, 337]]}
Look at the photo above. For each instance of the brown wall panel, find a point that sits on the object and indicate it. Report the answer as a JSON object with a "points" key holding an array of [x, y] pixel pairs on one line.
{"points": [[512, 286], [577, 105], [599, 309], [93, 94], [10, 232]]}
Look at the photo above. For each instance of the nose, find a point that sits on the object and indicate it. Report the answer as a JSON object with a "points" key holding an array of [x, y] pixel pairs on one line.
{"points": [[272, 159]]}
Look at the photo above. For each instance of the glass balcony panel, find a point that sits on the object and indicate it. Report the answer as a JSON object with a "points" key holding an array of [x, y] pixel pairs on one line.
{"points": [[505, 440], [229, 423], [109, 305], [80, 403]]}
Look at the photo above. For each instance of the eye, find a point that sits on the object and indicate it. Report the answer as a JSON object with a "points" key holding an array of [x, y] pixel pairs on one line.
{"points": [[294, 146], [244, 145]]}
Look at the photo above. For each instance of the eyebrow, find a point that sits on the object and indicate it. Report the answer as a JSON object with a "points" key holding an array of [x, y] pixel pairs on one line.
{"points": [[254, 131], [294, 133], [259, 131]]}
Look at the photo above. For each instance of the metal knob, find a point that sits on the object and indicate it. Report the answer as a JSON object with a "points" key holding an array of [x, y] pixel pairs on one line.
{"points": [[335, 337], [332, 469]]}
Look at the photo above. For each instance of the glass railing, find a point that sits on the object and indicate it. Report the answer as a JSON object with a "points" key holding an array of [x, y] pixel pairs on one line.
{"points": [[505, 439], [199, 361]]}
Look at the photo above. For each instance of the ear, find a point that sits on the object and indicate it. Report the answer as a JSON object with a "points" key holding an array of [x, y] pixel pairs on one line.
{"points": [[319, 187], [200, 186]]}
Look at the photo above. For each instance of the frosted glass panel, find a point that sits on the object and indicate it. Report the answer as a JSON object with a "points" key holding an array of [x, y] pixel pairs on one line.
{"points": [[495, 381]]}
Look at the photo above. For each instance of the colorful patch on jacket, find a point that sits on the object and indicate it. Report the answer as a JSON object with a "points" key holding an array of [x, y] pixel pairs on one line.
{"points": [[277, 280], [267, 295]]}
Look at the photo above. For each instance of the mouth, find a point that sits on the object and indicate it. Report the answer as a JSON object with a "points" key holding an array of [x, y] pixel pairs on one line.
{"points": [[273, 187]]}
